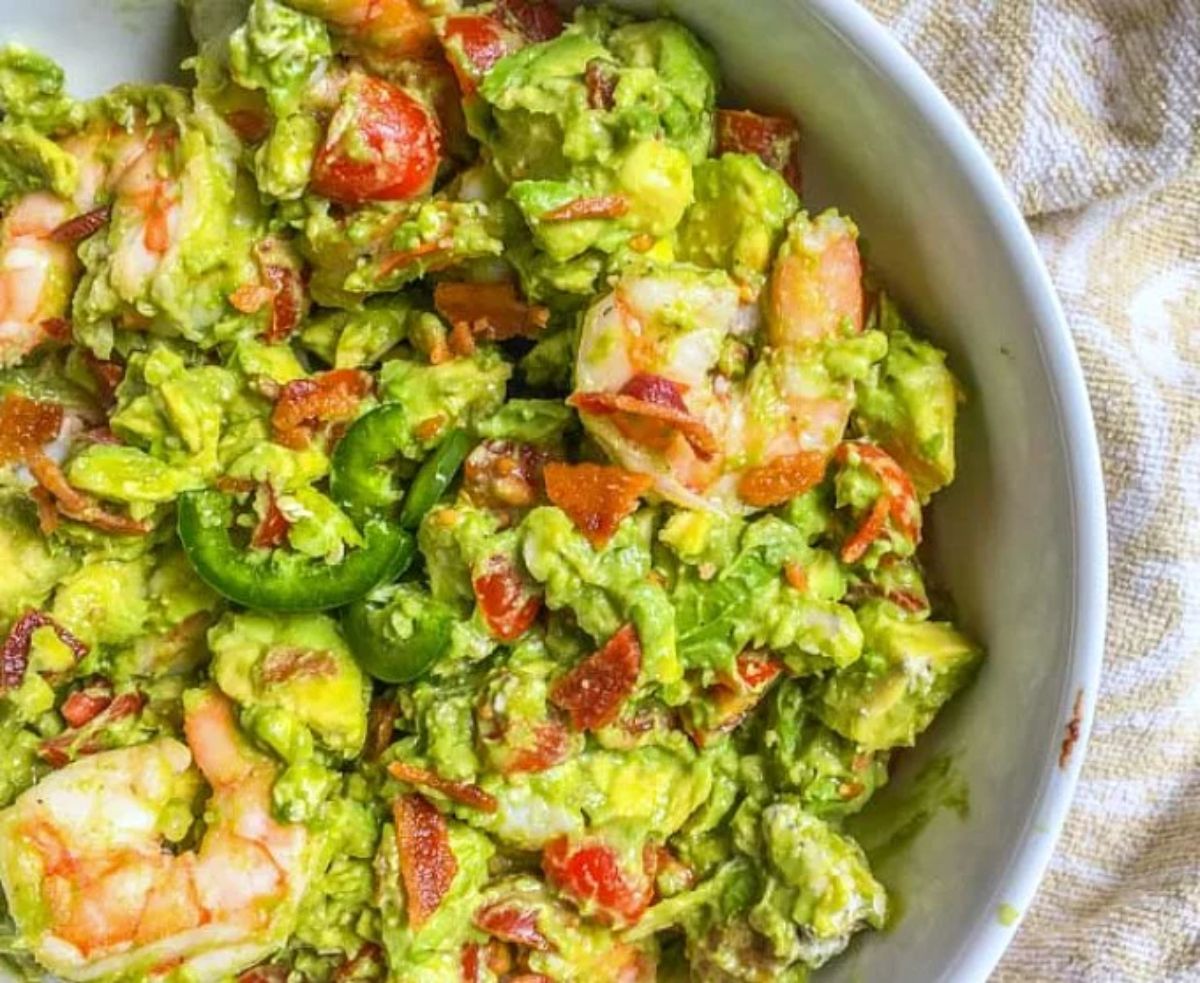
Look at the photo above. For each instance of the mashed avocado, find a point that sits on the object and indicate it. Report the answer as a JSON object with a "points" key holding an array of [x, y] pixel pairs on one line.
{"points": [[439, 451]]}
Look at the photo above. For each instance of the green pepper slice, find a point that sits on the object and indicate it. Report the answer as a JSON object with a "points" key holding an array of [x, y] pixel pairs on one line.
{"points": [[397, 633], [361, 481], [280, 581]]}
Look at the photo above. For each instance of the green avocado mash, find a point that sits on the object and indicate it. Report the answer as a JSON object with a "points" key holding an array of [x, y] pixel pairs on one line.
{"points": [[461, 515]]}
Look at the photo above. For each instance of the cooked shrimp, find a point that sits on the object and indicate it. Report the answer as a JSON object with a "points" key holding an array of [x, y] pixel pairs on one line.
{"points": [[38, 236], [650, 388], [94, 889]]}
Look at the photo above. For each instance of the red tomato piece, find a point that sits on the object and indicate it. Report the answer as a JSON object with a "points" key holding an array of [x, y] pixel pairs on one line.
{"points": [[508, 603], [591, 872], [85, 704], [510, 922], [594, 690], [26, 425], [382, 145], [756, 668], [272, 529], [596, 497], [773, 139], [465, 793], [470, 962], [474, 43], [427, 864], [304, 404], [656, 390], [781, 479]]}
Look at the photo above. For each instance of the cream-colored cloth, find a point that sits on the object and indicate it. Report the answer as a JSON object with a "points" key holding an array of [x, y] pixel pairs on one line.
{"points": [[1091, 109]]}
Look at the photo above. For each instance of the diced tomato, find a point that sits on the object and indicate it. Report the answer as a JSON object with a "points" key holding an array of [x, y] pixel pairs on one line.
{"points": [[596, 497], [508, 602], [26, 425], [492, 311], [474, 43], [464, 793], [594, 690], [427, 864], [469, 962], [84, 704], [775, 140], [272, 529], [382, 145], [14, 654], [600, 206], [508, 921], [781, 479], [591, 873], [304, 404], [538, 20], [726, 704], [756, 668], [80, 227], [897, 501]]}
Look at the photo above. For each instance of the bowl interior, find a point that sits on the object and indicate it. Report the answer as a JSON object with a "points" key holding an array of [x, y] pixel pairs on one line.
{"points": [[1018, 539]]}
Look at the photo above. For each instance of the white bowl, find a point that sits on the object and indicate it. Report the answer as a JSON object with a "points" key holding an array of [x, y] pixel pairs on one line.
{"points": [[1020, 536]]}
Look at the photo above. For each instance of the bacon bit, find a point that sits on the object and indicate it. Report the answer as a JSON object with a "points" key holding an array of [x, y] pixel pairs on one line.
{"points": [[250, 125], [596, 497], [470, 962], [464, 793], [781, 479], [756, 668], [530, 978], [430, 427], [74, 504], [552, 744], [796, 576], [84, 704], [1073, 729], [26, 425], [235, 486], [460, 342], [56, 328], [250, 298], [509, 921], [304, 404], [595, 689], [601, 85], [492, 311], [508, 603], [46, 512], [368, 956], [504, 476], [850, 790], [272, 530], [536, 19], [81, 226], [773, 139], [381, 726], [897, 501], [108, 375], [657, 390], [597, 207], [427, 864], [732, 699], [269, 973], [14, 655], [652, 425], [394, 261], [287, 301], [287, 662], [57, 751], [591, 872], [102, 435]]}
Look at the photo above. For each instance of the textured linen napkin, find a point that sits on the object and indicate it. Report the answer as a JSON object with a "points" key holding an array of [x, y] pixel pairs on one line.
{"points": [[1091, 110]]}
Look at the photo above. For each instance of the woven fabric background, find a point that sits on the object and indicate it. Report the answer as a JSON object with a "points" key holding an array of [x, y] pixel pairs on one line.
{"points": [[1091, 109]]}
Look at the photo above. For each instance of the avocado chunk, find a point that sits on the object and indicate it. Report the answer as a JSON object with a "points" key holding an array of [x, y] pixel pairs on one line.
{"points": [[909, 670], [295, 663], [31, 566], [908, 404]]}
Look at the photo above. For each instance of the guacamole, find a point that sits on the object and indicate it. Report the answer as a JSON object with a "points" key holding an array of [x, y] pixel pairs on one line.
{"points": [[462, 513]]}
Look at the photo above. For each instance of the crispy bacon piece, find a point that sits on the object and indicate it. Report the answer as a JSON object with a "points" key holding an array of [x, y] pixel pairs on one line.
{"points": [[381, 726], [85, 704], [284, 663], [14, 654], [596, 497], [287, 300], [464, 793], [508, 603], [727, 703], [367, 963], [272, 529], [504, 476], [56, 328], [81, 226], [508, 921], [552, 744], [594, 690], [492, 311], [598, 206], [649, 410], [773, 139], [305, 404], [601, 85], [266, 973], [108, 375], [591, 872], [781, 479], [897, 501], [74, 504], [88, 739], [537, 20], [250, 125], [26, 425], [427, 864]]}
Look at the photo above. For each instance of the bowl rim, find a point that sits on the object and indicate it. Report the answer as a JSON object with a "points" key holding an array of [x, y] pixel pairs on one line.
{"points": [[982, 946]]}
